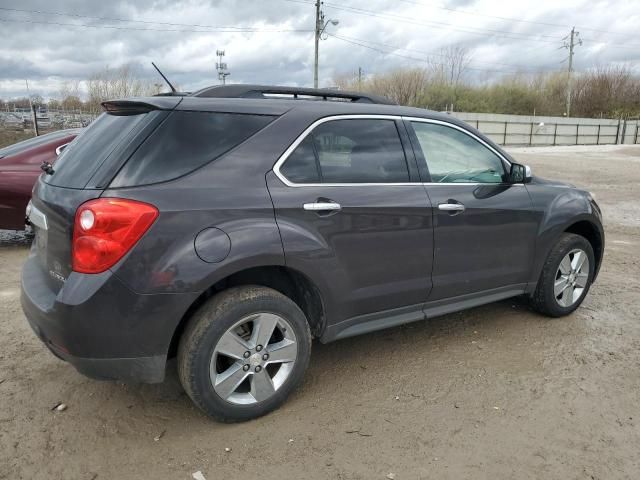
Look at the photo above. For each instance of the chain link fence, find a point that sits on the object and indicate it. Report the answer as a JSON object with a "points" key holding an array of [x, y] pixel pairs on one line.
{"points": [[18, 124]]}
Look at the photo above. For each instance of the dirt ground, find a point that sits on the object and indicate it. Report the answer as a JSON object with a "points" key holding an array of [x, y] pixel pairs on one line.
{"points": [[494, 392]]}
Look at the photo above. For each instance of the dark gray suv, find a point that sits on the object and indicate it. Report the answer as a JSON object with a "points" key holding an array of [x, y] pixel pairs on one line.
{"points": [[232, 226]]}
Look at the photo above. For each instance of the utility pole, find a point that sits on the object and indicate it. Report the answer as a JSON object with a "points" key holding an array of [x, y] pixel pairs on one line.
{"points": [[319, 29], [33, 110], [359, 79], [221, 67], [571, 44], [319, 19]]}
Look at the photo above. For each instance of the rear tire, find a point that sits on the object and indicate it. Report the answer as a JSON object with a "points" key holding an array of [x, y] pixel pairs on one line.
{"points": [[229, 363], [566, 277]]}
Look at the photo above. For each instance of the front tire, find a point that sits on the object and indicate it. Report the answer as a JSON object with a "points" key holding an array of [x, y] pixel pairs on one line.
{"points": [[243, 352], [566, 276]]}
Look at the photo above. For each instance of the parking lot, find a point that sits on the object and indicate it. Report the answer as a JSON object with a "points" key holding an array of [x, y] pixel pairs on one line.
{"points": [[493, 392]]}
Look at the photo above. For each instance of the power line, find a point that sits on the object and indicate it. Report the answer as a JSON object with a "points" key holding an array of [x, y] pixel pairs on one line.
{"points": [[109, 19], [509, 19], [444, 25], [475, 31], [619, 45], [209, 28], [409, 57], [396, 47], [150, 22]]}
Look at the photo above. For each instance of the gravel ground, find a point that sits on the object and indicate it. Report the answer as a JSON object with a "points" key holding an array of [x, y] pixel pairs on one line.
{"points": [[494, 392]]}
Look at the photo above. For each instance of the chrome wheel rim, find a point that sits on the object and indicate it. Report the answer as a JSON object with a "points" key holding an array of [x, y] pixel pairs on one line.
{"points": [[253, 359], [571, 278]]}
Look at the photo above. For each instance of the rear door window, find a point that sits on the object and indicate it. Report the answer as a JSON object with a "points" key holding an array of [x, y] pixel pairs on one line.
{"points": [[184, 142], [79, 161], [302, 164], [349, 151]]}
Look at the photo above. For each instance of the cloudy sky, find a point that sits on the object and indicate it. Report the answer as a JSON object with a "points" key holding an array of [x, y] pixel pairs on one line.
{"points": [[271, 41]]}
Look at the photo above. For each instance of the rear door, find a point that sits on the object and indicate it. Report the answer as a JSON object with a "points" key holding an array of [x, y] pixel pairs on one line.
{"points": [[354, 216], [484, 226]]}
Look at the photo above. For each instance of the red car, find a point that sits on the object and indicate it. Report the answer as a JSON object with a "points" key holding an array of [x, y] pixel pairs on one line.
{"points": [[19, 170]]}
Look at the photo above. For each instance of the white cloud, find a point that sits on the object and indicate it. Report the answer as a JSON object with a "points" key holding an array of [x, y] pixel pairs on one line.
{"points": [[47, 54]]}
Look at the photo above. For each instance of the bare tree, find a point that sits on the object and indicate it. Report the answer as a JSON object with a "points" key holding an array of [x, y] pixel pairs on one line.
{"points": [[70, 94], [404, 86], [451, 65], [113, 83]]}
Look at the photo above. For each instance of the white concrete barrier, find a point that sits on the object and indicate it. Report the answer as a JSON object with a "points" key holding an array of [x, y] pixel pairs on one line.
{"points": [[534, 130]]}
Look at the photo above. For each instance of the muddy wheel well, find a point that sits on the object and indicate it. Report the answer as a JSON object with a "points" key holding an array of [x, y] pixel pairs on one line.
{"points": [[589, 231], [289, 282]]}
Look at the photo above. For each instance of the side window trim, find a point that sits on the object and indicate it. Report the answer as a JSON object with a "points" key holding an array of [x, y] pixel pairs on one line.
{"points": [[316, 156], [283, 158], [421, 161], [505, 163], [409, 151], [408, 155]]}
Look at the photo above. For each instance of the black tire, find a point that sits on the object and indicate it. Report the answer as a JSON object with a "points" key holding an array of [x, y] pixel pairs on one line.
{"points": [[544, 300], [205, 329]]}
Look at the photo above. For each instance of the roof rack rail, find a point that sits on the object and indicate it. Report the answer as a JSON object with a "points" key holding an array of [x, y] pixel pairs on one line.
{"points": [[296, 93]]}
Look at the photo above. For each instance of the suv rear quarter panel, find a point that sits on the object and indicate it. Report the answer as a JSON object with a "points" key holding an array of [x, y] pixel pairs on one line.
{"points": [[229, 194], [165, 259]]}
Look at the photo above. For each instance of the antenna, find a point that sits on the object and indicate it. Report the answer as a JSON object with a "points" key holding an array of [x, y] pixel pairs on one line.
{"points": [[173, 90], [221, 67]]}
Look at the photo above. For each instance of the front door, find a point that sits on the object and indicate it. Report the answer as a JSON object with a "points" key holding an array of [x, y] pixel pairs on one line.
{"points": [[484, 226], [354, 217]]}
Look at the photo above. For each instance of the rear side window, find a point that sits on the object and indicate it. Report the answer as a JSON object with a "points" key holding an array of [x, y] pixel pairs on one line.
{"points": [[184, 142], [349, 151], [79, 161]]}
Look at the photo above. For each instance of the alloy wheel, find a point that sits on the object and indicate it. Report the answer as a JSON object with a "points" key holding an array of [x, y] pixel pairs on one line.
{"points": [[253, 359], [571, 278]]}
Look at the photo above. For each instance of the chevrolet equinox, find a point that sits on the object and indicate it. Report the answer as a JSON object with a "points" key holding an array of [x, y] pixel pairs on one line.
{"points": [[231, 226]]}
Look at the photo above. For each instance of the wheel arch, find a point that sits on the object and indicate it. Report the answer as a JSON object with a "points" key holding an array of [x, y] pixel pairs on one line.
{"points": [[585, 224], [591, 232], [290, 282]]}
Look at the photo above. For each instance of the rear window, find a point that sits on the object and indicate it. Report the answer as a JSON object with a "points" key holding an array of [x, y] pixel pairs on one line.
{"points": [[79, 161], [184, 142]]}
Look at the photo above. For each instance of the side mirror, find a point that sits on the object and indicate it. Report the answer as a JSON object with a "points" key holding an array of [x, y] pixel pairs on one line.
{"points": [[520, 173]]}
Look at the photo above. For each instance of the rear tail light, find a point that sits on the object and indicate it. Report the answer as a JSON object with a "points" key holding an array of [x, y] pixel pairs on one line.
{"points": [[105, 230]]}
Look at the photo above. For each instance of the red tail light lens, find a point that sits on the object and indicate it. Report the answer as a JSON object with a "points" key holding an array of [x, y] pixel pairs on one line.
{"points": [[105, 229]]}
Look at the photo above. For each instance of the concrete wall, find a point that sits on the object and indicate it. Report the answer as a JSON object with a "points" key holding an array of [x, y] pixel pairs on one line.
{"points": [[530, 130]]}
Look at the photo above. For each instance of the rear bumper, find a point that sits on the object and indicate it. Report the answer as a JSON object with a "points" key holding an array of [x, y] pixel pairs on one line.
{"points": [[105, 330], [138, 369]]}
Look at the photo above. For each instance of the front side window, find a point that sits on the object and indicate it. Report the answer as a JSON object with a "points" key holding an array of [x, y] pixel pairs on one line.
{"points": [[454, 157], [349, 151]]}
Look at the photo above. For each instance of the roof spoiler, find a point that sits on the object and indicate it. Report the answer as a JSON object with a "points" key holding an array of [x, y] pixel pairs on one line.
{"points": [[139, 106]]}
